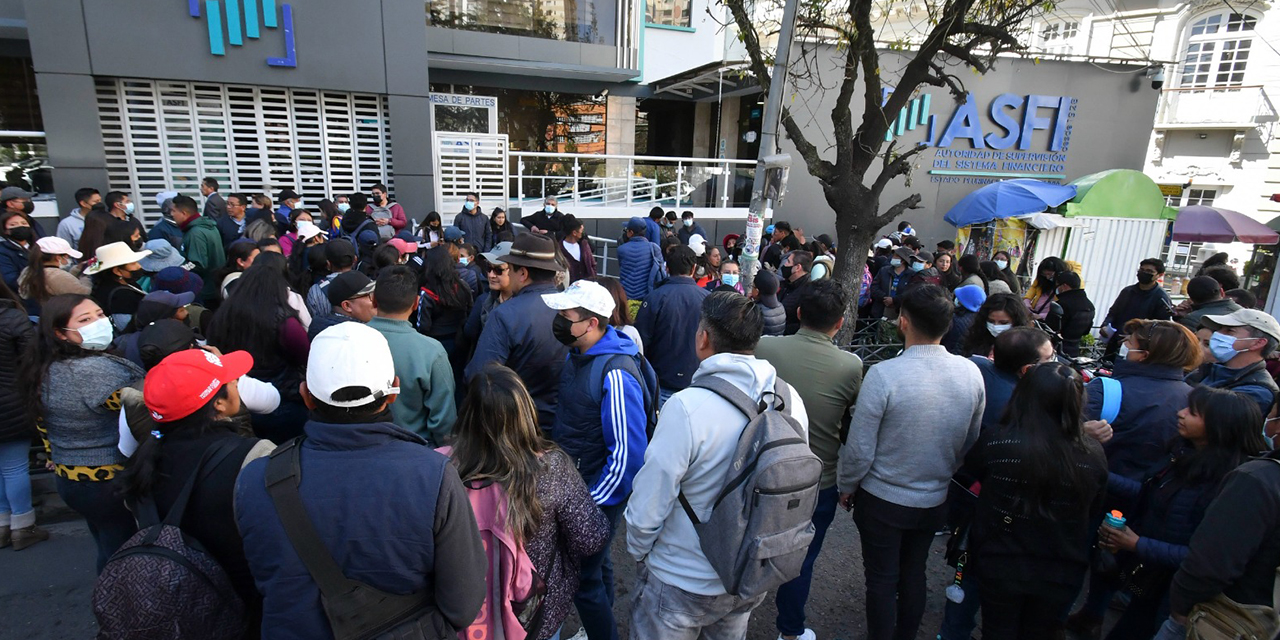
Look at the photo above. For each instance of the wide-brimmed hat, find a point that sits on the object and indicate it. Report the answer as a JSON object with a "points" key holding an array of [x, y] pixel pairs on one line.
{"points": [[110, 256], [534, 251], [163, 256]]}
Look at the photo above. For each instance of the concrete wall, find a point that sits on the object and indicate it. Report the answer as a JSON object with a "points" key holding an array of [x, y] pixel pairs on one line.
{"points": [[1108, 131], [671, 51]]}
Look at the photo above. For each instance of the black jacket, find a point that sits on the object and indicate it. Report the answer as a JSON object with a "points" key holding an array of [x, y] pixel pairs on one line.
{"points": [[1133, 302], [790, 297], [1077, 314], [229, 230], [15, 331], [1236, 548]]}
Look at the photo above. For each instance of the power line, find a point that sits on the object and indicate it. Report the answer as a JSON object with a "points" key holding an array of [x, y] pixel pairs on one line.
{"points": [[1255, 31]]}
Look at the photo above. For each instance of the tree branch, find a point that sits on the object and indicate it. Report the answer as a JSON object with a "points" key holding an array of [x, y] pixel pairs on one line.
{"points": [[960, 53], [910, 202], [900, 165]]}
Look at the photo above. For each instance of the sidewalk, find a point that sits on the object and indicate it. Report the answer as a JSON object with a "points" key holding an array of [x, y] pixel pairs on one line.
{"points": [[46, 589]]}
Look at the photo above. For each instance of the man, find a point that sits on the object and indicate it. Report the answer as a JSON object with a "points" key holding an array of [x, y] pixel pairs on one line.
{"points": [[601, 423], [669, 224], [1241, 343], [678, 594], [773, 255], [922, 271], [1145, 299], [548, 219], [883, 254], [72, 226], [903, 448], [201, 243], [889, 283], [1207, 299], [215, 207], [668, 323], [945, 246], [1077, 312], [289, 200], [475, 224], [904, 231], [340, 255], [519, 332], [18, 200], [351, 298], [640, 263], [689, 227], [827, 380], [386, 212], [653, 226], [164, 228], [120, 206], [794, 273], [426, 404], [1016, 350], [391, 512], [454, 235], [231, 225], [1243, 297]]}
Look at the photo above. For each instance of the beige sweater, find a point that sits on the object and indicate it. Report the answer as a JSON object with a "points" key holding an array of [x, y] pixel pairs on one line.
{"points": [[57, 281]]}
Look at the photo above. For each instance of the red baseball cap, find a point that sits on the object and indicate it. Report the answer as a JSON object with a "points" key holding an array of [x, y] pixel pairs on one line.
{"points": [[185, 381]]}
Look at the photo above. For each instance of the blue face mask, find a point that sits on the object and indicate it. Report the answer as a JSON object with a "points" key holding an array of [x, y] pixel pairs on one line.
{"points": [[344, 207], [1224, 348], [549, 208], [730, 279], [688, 222], [917, 266], [895, 262], [464, 261], [128, 208], [468, 205], [1002, 264]]}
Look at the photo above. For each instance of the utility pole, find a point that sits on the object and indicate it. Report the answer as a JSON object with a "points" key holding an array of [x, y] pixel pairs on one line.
{"points": [[761, 206]]}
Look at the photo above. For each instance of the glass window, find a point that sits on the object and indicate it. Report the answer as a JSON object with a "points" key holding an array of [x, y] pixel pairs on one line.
{"points": [[1201, 197], [674, 13], [1215, 54], [1070, 29], [588, 21]]}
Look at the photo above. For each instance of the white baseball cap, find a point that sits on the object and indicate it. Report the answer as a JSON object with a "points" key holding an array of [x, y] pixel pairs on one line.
{"points": [[53, 245], [884, 243], [583, 294], [350, 366], [1251, 318], [308, 230], [698, 244]]}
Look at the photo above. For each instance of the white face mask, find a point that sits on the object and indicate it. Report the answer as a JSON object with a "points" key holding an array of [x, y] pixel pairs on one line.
{"points": [[344, 207], [1002, 264], [128, 208], [97, 335], [550, 208], [997, 329]]}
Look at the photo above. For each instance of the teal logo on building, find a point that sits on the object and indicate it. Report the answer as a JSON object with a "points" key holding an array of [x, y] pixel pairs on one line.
{"points": [[241, 18], [915, 114]]}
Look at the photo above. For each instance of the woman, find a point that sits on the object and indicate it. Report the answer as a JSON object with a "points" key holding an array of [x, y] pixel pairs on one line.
{"points": [[260, 229], [15, 247], [732, 248], [1004, 262], [945, 264], [1042, 487], [549, 510], [576, 250], [17, 515], [263, 208], [259, 318], [125, 231], [707, 271], [730, 276], [998, 314], [1219, 259], [1217, 431], [330, 218], [1150, 366], [193, 396], [1043, 288], [445, 301], [622, 319], [502, 230], [46, 274], [971, 273], [240, 256], [432, 229], [74, 389], [291, 236], [95, 228], [995, 278], [115, 273]]}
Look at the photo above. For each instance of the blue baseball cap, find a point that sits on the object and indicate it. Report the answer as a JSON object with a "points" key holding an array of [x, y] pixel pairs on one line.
{"points": [[454, 234]]}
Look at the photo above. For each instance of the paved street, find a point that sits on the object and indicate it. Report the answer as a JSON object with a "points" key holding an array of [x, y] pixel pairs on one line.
{"points": [[46, 589]]}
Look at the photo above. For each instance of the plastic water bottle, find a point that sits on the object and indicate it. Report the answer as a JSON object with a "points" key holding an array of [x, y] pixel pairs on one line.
{"points": [[1104, 562]]}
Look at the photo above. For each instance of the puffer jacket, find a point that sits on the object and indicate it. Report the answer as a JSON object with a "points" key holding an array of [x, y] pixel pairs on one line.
{"points": [[1168, 510], [775, 316], [636, 267], [1152, 396], [13, 259], [15, 331]]}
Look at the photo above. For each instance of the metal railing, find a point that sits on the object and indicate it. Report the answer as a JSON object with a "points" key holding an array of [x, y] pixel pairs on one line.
{"points": [[606, 260], [1214, 105], [585, 180]]}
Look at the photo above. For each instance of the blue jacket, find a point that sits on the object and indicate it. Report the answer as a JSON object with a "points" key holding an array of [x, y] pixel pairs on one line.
{"points": [[1168, 510], [667, 322], [166, 230], [883, 287], [652, 231], [636, 266], [999, 387], [1152, 396], [686, 233], [476, 225], [392, 513], [518, 335], [605, 438], [1252, 380], [13, 259]]}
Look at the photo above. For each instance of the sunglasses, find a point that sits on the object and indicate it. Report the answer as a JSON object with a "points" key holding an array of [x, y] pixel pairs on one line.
{"points": [[497, 269]]}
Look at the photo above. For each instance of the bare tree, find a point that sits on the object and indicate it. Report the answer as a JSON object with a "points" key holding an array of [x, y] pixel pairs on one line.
{"points": [[952, 36]]}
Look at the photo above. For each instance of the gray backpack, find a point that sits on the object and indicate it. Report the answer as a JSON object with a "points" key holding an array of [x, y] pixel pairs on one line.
{"points": [[761, 522]]}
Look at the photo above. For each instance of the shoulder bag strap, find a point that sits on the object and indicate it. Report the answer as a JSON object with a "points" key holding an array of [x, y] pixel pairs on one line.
{"points": [[734, 396], [213, 456], [283, 476]]}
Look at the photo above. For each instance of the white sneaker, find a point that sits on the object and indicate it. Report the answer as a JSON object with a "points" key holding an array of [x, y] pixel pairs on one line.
{"points": [[807, 635], [581, 635]]}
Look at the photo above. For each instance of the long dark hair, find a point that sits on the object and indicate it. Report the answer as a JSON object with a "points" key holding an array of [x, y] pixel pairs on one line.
{"points": [[978, 341], [1233, 428], [36, 284], [1043, 422], [498, 440], [95, 229], [46, 348], [969, 266], [493, 223], [250, 318], [142, 474], [432, 216], [441, 278], [1057, 265], [236, 251], [621, 308], [121, 231], [7, 294], [992, 272], [1009, 275]]}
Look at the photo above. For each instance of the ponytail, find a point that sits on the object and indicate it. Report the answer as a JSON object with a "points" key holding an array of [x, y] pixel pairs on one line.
{"points": [[143, 470]]}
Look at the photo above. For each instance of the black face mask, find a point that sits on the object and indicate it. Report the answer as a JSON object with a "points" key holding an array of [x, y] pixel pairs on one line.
{"points": [[1146, 278], [28, 207], [785, 271], [562, 329], [133, 276], [22, 234]]}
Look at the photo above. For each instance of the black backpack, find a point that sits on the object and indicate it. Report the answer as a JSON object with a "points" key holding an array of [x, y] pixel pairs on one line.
{"points": [[163, 584]]}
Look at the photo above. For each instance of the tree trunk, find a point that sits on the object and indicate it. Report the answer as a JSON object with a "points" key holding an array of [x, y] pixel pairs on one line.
{"points": [[854, 236]]}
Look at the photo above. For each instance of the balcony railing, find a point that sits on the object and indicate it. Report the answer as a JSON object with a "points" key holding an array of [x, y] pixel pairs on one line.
{"points": [[1214, 108]]}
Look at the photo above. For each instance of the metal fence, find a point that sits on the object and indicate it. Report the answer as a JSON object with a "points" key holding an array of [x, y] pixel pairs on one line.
{"points": [[875, 340], [606, 252]]}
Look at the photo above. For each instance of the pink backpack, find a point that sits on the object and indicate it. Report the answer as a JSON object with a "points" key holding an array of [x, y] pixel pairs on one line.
{"points": [[512, 581]]}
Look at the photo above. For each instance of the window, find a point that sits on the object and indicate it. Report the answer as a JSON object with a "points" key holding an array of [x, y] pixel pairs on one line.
{"points": [[1051, 31], [1201, 197], [1216, 54], [671, 13]]}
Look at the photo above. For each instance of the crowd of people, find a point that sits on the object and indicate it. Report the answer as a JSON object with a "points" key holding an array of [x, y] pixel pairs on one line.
{"points": [[446, 427]]}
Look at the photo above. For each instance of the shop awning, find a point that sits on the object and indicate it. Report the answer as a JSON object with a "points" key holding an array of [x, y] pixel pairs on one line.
{"points": [[706, 81], [1048, 221], [1118, 193]]}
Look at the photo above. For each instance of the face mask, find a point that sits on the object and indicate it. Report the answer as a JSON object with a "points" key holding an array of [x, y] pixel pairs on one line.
{"points": [[1146, 278], [997, 329], [785, 271], [917, 266], [549, 208], [133, 276], [28, 207], [95, 336], [1002, 264], [22, 234], [689, 222], [128, 208], [1125, 350], [1223, 347], [464, 261], [895, 262], [344, 207], [562, 329], [730, 279], [468, 205], [297, 204]]}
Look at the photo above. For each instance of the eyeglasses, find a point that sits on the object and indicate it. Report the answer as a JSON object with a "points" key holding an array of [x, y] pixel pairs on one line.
{"points": [[493, 268]]}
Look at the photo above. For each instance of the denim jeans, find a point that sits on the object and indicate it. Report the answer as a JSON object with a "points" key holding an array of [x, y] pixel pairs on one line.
{"points": [[792, 596], [1171, 630], [595, 585], [110, 523], [15, 485], [895, 545], [959, 620], [660, 611]]}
